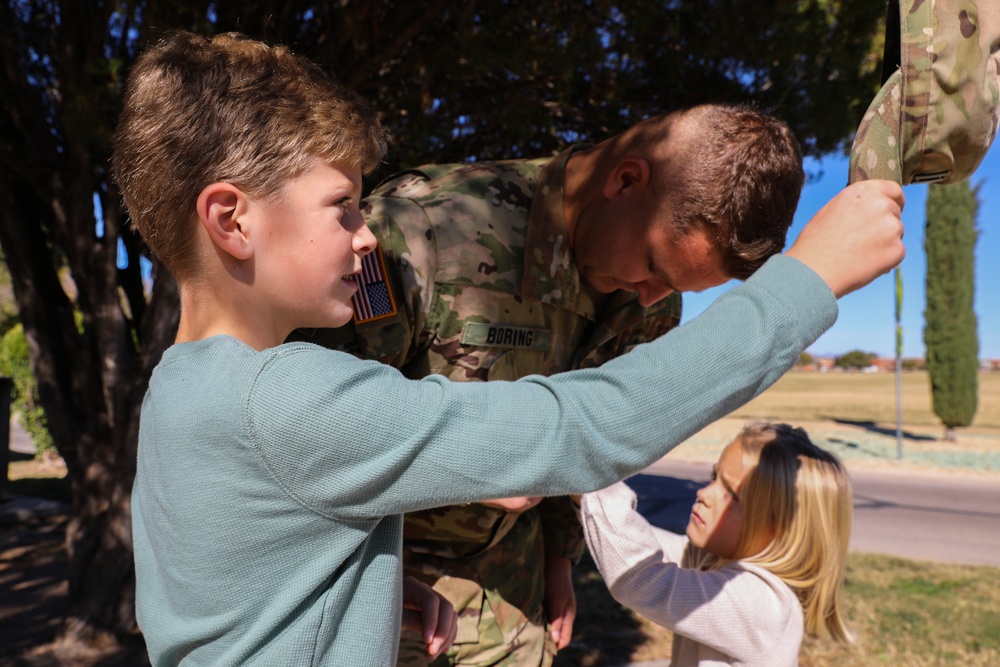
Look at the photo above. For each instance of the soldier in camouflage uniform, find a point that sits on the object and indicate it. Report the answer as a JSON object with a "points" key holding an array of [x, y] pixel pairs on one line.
{"points": [[494, 271]]}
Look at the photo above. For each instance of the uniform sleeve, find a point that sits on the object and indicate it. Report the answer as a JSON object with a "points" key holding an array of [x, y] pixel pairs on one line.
{"points": [[561, 529], [740, 612]]}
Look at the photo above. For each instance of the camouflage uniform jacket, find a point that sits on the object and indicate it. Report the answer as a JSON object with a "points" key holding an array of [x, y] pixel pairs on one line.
{"points": [[484, 287]]}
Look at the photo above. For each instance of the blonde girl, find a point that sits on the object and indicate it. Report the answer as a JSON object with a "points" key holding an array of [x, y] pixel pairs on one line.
{"points": [[762, 561]]}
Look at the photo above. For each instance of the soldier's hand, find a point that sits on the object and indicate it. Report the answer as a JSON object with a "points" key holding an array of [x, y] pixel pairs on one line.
{"points": [[560, 599], [856, 237], [519, 504], [430, 614]]}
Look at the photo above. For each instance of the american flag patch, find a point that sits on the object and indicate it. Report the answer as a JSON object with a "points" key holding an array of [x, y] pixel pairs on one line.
{"points": [[373, 300]]}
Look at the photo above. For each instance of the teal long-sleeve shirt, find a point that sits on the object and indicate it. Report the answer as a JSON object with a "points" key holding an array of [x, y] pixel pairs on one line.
{"points": [[267, 503]]}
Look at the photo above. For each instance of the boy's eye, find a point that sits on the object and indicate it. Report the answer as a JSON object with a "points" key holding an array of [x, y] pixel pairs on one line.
{"points": [[344, 204]]}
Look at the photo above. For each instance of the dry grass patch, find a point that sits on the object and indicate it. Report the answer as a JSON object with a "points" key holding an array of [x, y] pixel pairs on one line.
{"points": [[871, 397], [43, 477]]}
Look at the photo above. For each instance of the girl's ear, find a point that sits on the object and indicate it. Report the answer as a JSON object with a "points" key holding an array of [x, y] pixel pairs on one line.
{"points": [[628, 173], [221, 208]]}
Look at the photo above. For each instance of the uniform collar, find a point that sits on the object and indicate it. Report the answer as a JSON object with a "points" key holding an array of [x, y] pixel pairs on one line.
{"points": [[550, 272]]}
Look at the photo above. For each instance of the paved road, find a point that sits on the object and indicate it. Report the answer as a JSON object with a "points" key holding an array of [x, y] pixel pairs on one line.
{"points": [[20, 441], [946, 518]]}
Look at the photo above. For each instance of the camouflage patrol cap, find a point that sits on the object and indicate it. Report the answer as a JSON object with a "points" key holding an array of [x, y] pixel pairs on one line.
{"points": [[936, 114]]}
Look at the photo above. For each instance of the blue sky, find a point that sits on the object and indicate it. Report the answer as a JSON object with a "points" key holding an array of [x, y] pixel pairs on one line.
{"points": [[866, 320]]}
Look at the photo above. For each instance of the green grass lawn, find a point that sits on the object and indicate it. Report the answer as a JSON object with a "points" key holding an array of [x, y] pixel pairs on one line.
{"points": [[904, 612], [916, 613]]}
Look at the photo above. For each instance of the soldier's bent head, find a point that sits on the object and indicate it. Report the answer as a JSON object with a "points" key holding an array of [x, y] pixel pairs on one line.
{"points": [[732, 171]]}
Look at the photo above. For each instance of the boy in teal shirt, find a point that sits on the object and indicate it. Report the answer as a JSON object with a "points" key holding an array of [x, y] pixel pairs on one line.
{"points": [[272, 477]]}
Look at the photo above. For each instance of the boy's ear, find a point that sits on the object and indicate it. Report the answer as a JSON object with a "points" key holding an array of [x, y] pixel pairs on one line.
{"points": [[628, 173], [220, 210]]}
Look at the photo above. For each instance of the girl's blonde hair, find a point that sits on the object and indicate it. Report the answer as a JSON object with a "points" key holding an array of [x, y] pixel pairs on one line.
{"points": [[797, 508]]}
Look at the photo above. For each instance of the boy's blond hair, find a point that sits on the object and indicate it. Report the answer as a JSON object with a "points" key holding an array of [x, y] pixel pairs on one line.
{"points": [[797, 509], [229, 109]]}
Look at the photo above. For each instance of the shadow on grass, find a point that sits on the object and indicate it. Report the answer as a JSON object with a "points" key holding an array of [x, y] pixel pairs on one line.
{"points": [[665, 501], [49, 488], [605, 633], [872, 427], [33, 574]]}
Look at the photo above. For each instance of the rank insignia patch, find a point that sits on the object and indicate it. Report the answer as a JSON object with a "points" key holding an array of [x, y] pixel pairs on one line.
{"points": [[373, 300]]}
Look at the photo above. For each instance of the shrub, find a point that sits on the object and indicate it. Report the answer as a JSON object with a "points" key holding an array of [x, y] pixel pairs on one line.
{"points": [[16, 364]]}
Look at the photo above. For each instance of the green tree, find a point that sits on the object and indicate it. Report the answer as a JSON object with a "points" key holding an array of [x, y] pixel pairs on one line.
{"points": [[454, 79], [950, 332], [855, 360]]}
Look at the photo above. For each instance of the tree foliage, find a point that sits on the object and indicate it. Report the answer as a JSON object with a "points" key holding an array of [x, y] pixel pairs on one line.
{"points": [[15, 363], [519, 77], [950, 327], [855, 360], [8, 307], [454, 79]]}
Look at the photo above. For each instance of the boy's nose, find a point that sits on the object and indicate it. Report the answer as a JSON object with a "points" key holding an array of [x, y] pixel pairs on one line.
{"points": [[364, 240]]}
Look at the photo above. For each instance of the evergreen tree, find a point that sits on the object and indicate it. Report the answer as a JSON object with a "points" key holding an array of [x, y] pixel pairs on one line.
{"points": [[950, 321]]}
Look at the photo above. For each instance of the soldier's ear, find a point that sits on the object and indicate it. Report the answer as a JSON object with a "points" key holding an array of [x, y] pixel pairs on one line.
{"points": [[629, 176]]}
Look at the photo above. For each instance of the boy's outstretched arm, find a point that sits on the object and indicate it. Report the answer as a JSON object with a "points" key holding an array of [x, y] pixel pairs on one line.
{"points": [[856, 237], [610, 422], [427, 612]]}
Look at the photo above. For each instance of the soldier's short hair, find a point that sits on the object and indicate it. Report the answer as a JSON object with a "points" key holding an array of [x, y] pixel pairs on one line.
{"points": [[227, 109], [731, 170]]}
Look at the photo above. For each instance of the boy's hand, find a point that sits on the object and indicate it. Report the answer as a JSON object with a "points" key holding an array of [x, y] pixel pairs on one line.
{"points": [[427, 612], [856, 237], [518, 504]]}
